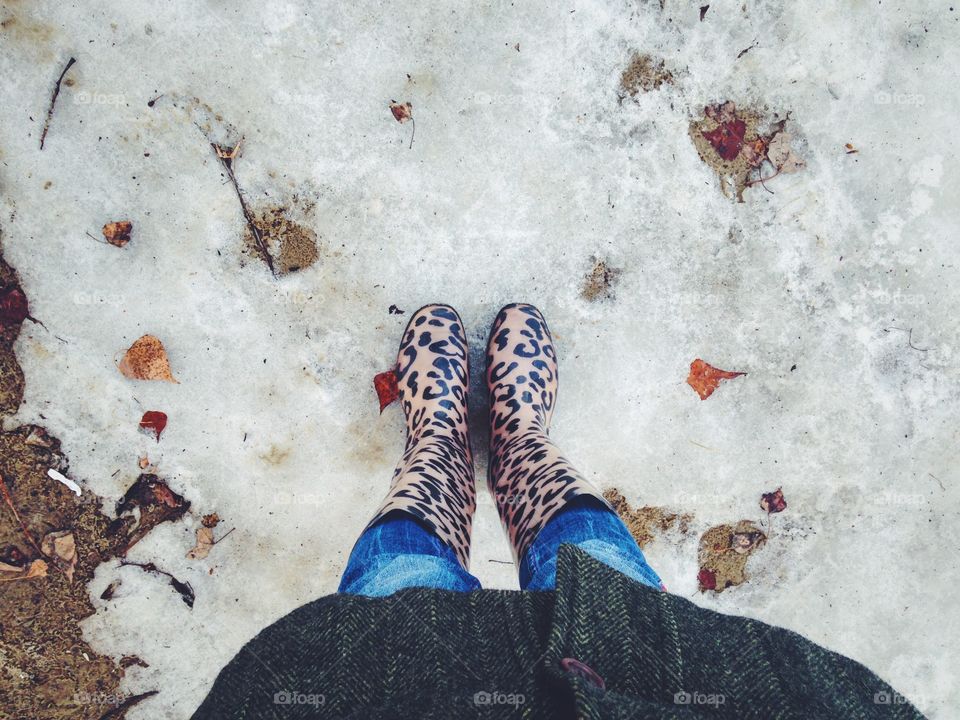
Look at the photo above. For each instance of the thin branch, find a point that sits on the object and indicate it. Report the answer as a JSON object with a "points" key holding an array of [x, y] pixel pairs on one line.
{"points": [[227, 157], [53, 101], [120, 711]]}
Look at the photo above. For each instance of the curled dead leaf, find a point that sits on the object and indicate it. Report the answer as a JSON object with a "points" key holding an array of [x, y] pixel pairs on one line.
{"points": [[385, 384], [781, 155], [118, 233], [13, 306], [61, 545], [773, 502], [204, 543], [401, 111], [154, 421], [704, 378], [146, 359], [37, 569]]}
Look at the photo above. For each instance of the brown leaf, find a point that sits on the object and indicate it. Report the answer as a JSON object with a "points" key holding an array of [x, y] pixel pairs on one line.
{"points": [[118, 233], [38, 437], [385, 384], [211, 520], [402, 112], [781, 155], [10, 568], [705, 378], [61, 544], [146, 359], [37, 569], [204, 544], [773, 502], [743, 542]]}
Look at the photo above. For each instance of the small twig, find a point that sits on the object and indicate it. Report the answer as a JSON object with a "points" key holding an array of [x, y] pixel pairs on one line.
{"points": [[502, 562], [413, 131], [23, 526], [938, 480], [184, 588], [120, 710], [53, 101], [217, 542], [227, 157], [909, 338]]}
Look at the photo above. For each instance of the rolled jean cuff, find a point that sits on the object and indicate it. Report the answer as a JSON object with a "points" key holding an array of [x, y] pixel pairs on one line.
{"points": [[595, 529], [398, 552]]}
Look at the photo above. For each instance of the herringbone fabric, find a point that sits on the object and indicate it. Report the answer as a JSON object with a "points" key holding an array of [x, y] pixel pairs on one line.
{"points": [[498, 654]]}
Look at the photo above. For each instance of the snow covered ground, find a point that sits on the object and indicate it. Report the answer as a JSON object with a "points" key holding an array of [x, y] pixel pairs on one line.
{"points": [[525, 166]]}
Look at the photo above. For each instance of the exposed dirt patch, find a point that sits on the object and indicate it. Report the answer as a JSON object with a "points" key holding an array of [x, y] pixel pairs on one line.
{"points": [[11, 377], [291, 245], [47, 670], [723, 554], [647, 522], [644, 74], [600, 281], [734, 173]]}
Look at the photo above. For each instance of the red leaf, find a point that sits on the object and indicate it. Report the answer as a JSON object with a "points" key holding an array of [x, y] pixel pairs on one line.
{"points": [[727, 138], [13, 306], [154, 420], [704, 378], [773, 502], [386, 386], [707, 579], [401, 111], [118, 233]]}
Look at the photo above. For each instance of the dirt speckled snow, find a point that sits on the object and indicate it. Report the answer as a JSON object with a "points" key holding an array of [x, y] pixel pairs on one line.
{"points": [[835, 288]]}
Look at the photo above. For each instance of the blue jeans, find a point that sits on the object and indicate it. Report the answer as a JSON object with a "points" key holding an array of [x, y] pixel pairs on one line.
{"points": [[398, 552]]}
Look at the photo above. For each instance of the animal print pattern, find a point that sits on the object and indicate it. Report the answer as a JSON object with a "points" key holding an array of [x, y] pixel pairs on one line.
{"points": [[529, 478], [434, 479]]}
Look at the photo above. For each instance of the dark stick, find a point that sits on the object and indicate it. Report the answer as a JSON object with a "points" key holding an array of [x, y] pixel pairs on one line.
{"points": [[53, 101], [120, 711], [258, 238]]}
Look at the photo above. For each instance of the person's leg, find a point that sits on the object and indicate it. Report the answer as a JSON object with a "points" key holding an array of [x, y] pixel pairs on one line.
{"points": [[425, 520], [596, 530], [542, 499], [399, 552]]}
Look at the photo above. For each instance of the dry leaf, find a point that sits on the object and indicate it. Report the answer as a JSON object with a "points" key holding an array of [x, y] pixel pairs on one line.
{"points": [[781, 155], [10, 568], [773, 502], [38, 437], [401, 111], [146, 359], [38, 568], [62, 545], [386, 386], [204, 543], [118, 233], [211, 520], [154, 420], [13, 306], [705, 378]]}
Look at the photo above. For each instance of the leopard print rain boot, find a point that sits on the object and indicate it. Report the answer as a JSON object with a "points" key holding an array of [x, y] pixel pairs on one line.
{"points": [[434, 479], [530, 479]]}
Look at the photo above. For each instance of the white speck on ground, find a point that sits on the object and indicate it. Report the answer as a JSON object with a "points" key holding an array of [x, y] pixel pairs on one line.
{"points": [[524, 168]]}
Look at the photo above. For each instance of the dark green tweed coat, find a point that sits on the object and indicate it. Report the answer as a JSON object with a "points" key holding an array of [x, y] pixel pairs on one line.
{"points": [[510, 654]]}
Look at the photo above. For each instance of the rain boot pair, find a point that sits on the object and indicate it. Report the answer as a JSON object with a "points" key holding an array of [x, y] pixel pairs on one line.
{"points": [[530, 479]]}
